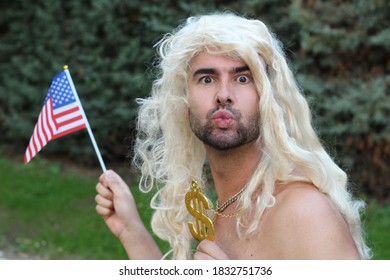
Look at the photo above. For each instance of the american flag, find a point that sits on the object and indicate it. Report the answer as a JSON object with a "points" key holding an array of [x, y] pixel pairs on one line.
{"points": [[61, 114]]}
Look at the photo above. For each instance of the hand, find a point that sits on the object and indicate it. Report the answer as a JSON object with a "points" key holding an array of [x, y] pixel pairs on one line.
{"points": [[116, 204], [209, 250]]}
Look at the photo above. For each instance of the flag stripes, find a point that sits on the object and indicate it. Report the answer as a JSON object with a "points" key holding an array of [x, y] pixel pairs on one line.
{"points": [[43, 131]]}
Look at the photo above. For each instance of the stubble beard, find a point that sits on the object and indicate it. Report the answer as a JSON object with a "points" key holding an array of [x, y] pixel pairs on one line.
{"points": [[225, 139]]}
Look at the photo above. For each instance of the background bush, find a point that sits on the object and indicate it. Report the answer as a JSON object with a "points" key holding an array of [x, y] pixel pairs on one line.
{"points": [[338, 50]]}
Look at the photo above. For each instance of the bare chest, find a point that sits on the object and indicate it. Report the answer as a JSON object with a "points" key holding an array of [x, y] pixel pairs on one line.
{"points": [[263, 243], [239, 247]]}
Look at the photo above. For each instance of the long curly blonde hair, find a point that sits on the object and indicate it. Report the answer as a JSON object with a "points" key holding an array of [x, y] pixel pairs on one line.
{"points": [[169, 155]]}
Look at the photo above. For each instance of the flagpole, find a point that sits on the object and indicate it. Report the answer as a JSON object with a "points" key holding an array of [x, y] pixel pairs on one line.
{"points": [[86, 120]]}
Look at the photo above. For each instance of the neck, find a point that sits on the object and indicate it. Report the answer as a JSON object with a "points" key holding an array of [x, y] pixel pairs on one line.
{"points": [[232, 169]]}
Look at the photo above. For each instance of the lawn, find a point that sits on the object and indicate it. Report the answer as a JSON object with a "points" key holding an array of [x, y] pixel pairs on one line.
{"points": [[377, 223], [48, 212]]}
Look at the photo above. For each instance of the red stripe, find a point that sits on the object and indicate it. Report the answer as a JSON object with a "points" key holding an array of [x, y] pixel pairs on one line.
{"points": [[75, 119], [31, 152], [34, 142], [49, 112], [43, 121], [64, 113], [66, 132], [37, 131], [28, 152], [51, 117]]}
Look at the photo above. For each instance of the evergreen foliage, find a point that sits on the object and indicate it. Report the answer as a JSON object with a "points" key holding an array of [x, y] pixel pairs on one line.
{"points": [[344, 68], [338, 50]]}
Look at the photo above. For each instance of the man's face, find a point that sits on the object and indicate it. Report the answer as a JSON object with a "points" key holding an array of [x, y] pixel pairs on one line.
{"points": [[223, 102]]}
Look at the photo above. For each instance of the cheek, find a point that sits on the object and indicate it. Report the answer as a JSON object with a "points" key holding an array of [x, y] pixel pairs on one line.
{"points": [[251, 102], [252, 109], [197, 105], [255, 105]]}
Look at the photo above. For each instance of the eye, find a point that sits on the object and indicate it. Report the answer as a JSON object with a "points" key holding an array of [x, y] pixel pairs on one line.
{"points": [[243, 79], [206, 79]]}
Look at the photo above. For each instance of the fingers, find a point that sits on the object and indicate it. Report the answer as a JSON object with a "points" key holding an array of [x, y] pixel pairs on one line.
{"points": [[104, 191], [104, 198], [104, 202], [104, 206], [103, 211], [208, 250]]}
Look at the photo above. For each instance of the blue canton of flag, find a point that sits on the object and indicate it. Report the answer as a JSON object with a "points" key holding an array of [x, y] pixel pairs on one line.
{"points": [[60, 91]]}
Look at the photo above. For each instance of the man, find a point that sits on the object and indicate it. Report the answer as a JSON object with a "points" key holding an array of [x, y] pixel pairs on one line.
{"points": [[226, 97]]}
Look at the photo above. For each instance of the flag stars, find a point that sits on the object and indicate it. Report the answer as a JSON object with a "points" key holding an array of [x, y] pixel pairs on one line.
{"points": [[61, 92]]}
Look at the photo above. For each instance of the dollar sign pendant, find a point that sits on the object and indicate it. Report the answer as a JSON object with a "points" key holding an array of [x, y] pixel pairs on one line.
{"points": [[197, 204]]}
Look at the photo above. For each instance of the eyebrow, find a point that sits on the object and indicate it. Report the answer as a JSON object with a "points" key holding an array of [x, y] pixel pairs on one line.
{"points": [[201, 71], [205, 71], [241, 69]]}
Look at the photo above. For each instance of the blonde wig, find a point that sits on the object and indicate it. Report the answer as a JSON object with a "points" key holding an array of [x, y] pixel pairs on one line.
{"points": [[169, 155]]}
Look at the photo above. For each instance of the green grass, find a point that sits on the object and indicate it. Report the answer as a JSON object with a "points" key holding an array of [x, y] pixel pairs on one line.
{"points": [[49, 213], [377, 223]]}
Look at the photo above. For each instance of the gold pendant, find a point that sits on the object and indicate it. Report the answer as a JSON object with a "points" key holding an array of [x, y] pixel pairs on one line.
{"points": [[197, 204]]}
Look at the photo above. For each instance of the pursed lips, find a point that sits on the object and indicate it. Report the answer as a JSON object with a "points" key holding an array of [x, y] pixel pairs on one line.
{"points": [[222, 118]]}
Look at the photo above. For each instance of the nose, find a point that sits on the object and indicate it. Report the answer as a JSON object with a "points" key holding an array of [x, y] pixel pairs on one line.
{"points": [[224, 94]]}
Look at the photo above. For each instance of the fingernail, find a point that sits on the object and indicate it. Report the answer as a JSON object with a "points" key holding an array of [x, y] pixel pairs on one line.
{"points": [[109, 173]]}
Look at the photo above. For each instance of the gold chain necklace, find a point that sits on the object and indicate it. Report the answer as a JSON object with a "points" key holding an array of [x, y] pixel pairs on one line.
{"points": [[222, 208]]}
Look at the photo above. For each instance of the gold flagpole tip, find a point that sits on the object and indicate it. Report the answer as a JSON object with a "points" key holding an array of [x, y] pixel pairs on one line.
{"points": [[65, 67]]}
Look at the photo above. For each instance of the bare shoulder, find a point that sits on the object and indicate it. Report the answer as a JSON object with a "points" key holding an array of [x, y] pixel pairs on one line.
{"points": [[305, 224], [300, 197]]}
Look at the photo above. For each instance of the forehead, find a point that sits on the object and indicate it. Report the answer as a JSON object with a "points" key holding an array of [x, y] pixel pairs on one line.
{"points": [[215, 61]]}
